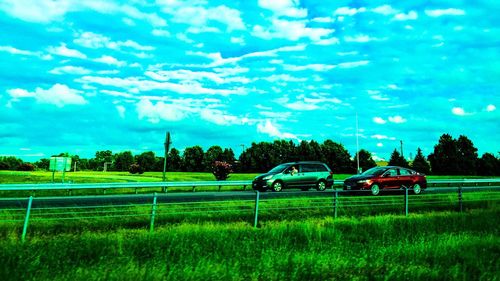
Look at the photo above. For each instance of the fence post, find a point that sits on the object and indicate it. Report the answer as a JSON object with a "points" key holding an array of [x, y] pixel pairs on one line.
{"points": [[460, 205], [153, 214], [335, 202], [27, 218], [406, 200], [256, 212]]}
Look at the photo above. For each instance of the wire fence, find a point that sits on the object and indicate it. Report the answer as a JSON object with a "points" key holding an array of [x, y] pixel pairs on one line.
{"points": [[262, 207]]}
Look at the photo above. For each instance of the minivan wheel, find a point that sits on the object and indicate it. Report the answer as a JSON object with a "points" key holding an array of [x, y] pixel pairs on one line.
{"points": [[277, 186], [375, 189], [321, 185], [417, 189]]}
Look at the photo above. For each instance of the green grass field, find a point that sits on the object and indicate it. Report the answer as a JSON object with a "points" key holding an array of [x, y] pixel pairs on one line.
{"points": [[429, 246]]}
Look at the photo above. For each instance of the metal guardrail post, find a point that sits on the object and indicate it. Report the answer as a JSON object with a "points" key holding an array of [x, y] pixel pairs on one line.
{"points": [[406, 200], [256, 211], [335, 202], [460, 199], [153, 214], [27, 218]]}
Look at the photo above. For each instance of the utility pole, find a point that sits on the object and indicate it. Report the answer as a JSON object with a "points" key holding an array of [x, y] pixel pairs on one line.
{"points": [[402, 149], [167, 147], [357, 144]]}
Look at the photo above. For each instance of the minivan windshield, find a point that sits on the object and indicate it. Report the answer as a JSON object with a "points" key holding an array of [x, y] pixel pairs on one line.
{"points": [[278, 169], [377, 171]]}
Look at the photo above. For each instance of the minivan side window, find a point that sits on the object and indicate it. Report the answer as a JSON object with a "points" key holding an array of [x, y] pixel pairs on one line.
{"points": [[306, 168], [320, 168]]}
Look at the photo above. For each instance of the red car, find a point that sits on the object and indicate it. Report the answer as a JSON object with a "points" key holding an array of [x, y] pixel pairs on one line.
{"points": [[388, 177]]}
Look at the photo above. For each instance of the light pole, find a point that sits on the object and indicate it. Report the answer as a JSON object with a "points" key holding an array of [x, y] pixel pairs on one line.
{"points": [[357, 144], [167, 147]]}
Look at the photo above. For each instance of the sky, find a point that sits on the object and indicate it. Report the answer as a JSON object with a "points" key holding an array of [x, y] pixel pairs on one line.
{"points": [[83, 76]]}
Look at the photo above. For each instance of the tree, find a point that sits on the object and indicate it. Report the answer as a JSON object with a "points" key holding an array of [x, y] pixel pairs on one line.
{"points": [[420, 164], [101, 157], [214, 153], [228, 155], [337, 157], [467, 155], [123, 160], [488, 165], [174, 161], [454, 157], [10, 163], [42, 164], [365, 160], [398, 160], [146, 160], [192, 159], [444, 159]]}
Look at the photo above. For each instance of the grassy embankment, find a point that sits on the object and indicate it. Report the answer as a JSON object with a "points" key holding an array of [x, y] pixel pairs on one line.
{"points": [[431, 246]]}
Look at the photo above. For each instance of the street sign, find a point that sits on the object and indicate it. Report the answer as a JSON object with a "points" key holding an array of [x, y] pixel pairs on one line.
{"points": [[60, 164]]}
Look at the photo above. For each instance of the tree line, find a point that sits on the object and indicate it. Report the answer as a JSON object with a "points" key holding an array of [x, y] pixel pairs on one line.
{"points": [[449, 157]]}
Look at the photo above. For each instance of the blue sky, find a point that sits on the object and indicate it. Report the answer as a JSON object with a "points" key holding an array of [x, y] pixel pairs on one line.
{"points": [[82, 76]]}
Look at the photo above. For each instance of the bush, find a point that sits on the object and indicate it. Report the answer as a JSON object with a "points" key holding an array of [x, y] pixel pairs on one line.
{"points": [[136, 169], [221, 170], [26, 167]]}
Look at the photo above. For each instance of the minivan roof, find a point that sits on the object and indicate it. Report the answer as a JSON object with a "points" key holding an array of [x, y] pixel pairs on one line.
{"points": [[303, 162]]}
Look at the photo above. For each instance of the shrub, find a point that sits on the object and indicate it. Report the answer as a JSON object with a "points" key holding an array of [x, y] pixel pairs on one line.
{"points": [[26, 167], [136, 169], [221, 170]]}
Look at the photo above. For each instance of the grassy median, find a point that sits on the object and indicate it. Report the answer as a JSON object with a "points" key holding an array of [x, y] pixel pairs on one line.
{"points": [[431, 246]]}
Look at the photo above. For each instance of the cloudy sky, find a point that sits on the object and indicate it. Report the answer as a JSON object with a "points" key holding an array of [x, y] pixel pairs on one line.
{"points": [[81, 76]]}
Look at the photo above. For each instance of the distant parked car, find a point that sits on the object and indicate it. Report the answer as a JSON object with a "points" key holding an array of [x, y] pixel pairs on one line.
{"points": [[303, 175], [388, 177]]}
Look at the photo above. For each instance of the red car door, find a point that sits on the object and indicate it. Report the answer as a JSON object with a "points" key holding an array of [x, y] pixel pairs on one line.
{"points": [[405, 178], [390, 179]]}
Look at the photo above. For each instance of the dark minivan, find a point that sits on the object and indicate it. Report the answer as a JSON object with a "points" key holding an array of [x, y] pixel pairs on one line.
{"points": [[303, 175]]}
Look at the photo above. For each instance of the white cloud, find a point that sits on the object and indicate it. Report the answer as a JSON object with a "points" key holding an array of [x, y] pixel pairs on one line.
{"points": [[268, 128], [58, 95], [69, 69], [491, 108], [346, 11], [96, 41], [197, 15], [64, 51], [397, 119], [15, 51], [379, 120], [445, 12], [380, 144], [301, 105], [110, 61], [314, 67], [160, 111], [140, 84], [221, 118], [160, 33], [290, 30], [361, 38], [382, 137], [323, 19], [121, 110], [412, 15], [36, 11], [458, 111], [289, 8], [327, 42], [353, 64], [385, 10]]}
